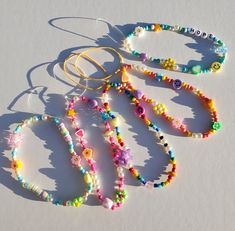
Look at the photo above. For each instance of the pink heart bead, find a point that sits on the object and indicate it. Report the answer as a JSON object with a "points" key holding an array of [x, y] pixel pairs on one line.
{"points": [[79, 132]]}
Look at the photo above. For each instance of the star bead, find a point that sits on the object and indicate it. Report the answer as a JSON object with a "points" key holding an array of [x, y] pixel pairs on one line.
{"points": [[71, 112]]}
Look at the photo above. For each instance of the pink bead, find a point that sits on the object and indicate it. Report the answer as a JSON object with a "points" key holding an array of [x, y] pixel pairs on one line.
{"points": [[149, 185], [79, 132], [107, 203]]}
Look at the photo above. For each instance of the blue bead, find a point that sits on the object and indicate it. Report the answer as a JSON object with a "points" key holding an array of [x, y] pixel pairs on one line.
{"points": [[159, 77]]}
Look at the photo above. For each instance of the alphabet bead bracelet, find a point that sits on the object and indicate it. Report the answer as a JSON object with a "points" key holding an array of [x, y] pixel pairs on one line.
{"points": [[120, 155], [14, 142], [219, 48]]}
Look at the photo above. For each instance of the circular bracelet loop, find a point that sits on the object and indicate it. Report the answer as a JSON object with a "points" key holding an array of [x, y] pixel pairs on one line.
{"points": [[14, 142], [219, 49]]}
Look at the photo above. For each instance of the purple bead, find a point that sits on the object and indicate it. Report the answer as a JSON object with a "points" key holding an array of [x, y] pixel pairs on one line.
{"points": [[92, 103], [138, 94], [143, 57], [177, 84]]}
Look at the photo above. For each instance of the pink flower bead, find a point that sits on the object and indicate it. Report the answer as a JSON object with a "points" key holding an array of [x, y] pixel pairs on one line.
{"points": [[76, 160]]}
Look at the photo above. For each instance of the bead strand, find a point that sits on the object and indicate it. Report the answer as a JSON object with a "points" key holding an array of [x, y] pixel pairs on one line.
{"points": [[219, 48], [14, 142]]}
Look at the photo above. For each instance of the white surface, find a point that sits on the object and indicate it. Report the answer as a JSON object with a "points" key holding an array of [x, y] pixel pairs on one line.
{"points": [[202, 195]]}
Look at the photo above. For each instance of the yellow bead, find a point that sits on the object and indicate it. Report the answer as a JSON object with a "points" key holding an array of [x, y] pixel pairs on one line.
{"points": [[87, 178], [157, 28], [16, 164], [71, 112], [115, 122], [87, 153], [216, 66], [108, 133]]}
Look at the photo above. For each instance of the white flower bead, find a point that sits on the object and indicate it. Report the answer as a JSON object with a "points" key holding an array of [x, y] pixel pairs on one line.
{"points": [[139, 31]]}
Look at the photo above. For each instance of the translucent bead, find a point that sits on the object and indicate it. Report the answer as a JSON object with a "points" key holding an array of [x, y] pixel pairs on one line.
{"points": [[107, 203]]}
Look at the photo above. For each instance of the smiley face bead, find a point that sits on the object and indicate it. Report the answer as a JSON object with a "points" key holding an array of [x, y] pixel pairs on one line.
{"points": [[177, 84], [215, 66]]}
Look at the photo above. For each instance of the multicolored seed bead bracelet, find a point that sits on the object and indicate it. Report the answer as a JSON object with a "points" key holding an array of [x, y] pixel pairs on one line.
{"points": [[14, 142], [118, 153], [116, 122], [171, 172], [219, 48], [160, 109]]}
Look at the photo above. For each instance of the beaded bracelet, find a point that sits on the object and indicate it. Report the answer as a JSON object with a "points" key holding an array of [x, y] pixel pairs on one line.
{"points": [[14, 142], [120, 155], [160, 109], [115, 123], [219, 49], [162, 141]]}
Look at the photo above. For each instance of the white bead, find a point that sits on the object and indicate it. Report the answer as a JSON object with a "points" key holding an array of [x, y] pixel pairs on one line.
{"points": [[152, 27], [198, 33], [192, 31], [204, 35]]}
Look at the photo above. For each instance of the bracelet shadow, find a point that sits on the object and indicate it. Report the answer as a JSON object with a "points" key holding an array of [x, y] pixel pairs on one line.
{"points": [[62, 173]]}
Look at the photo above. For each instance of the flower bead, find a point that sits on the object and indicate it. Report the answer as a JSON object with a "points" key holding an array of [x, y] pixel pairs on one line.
{"points": [[139, 110], [16, 165], [159, 108], [76, 160], [120, 195], [139, 31], [169, 64], [216, 125], [14, 140], [87, 153]]}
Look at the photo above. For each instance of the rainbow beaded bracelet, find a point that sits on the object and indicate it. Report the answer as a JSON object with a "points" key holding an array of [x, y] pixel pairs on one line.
{"points": [[120, 155], [14, 142], [171, 173], [160, 108], [219, 49]]}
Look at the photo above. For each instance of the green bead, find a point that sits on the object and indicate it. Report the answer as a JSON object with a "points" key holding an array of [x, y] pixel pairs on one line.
{"points": [[216, 126], [196, 69]]}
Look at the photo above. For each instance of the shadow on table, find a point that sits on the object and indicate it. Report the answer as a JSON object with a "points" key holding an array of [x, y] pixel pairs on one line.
{"points": [[68, 180]]}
